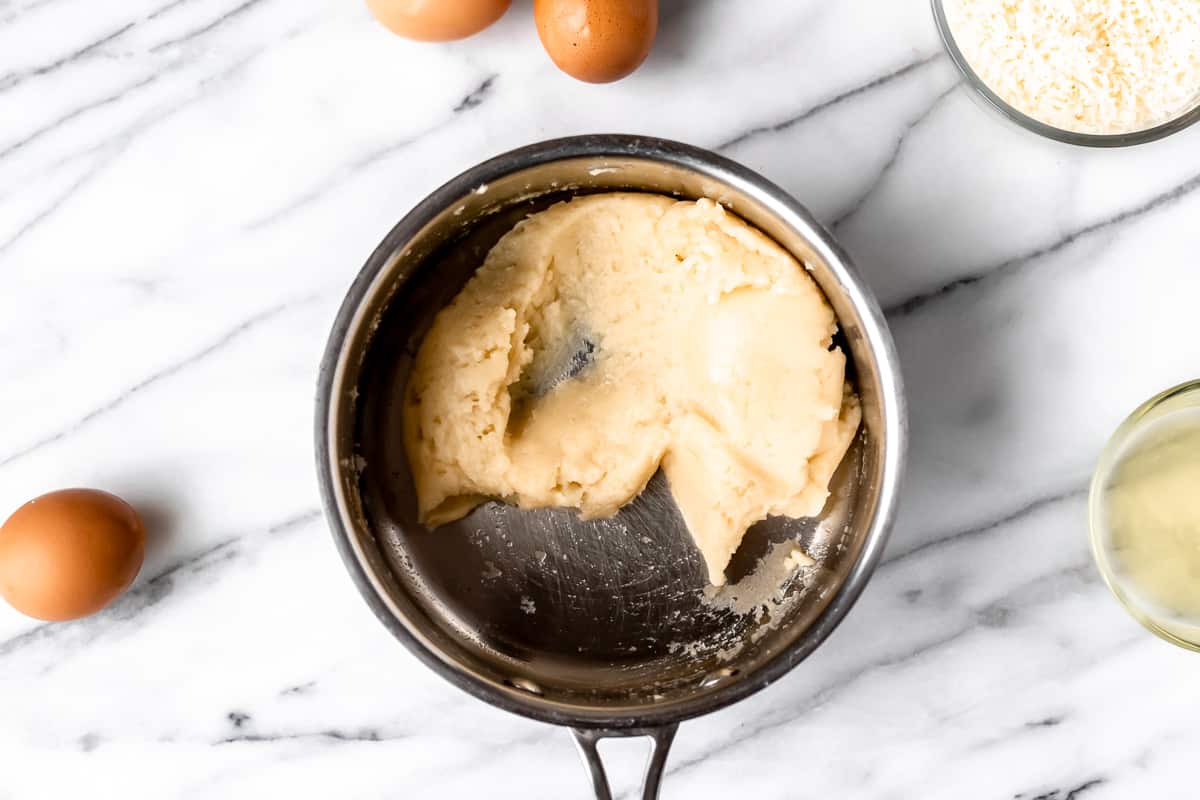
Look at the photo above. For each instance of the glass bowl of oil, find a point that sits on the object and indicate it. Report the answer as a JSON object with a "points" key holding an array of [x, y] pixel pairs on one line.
{"points": [[1144, 514]]}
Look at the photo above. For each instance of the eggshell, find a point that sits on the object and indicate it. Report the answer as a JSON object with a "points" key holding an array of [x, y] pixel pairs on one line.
{"points": [[597, 41], [69, 553], [437, 20]]}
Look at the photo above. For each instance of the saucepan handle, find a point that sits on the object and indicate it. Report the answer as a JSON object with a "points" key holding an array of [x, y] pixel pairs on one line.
{"points": [[588, 739]]}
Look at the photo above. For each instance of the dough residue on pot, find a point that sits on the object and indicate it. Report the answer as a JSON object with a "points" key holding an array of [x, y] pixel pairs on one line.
{"points": [[614, 334]]}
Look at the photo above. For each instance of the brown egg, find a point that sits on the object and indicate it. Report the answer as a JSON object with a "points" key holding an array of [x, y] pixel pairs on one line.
{"points": [[597, 40], [69, 553], [437, 20]]}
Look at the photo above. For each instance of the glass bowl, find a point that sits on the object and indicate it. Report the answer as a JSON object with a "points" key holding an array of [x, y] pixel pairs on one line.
{"points": [[994, 101], [1179, 630]]}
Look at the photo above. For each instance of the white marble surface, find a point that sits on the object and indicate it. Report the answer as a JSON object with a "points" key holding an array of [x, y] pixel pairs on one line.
{"points": [[187, 189]]}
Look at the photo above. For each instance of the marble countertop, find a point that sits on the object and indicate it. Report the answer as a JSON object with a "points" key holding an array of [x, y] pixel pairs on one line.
{"points": [[187, 187]]}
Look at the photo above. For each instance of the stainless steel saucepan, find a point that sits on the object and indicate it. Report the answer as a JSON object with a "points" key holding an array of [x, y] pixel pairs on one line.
{"points": [[605, 626]]}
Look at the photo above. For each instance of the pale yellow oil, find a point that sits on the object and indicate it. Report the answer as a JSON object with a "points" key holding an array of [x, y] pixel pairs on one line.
{"points": [[1151, 522]]}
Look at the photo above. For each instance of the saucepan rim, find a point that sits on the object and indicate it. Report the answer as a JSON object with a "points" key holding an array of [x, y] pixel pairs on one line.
{"points": [[336, 371]]}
